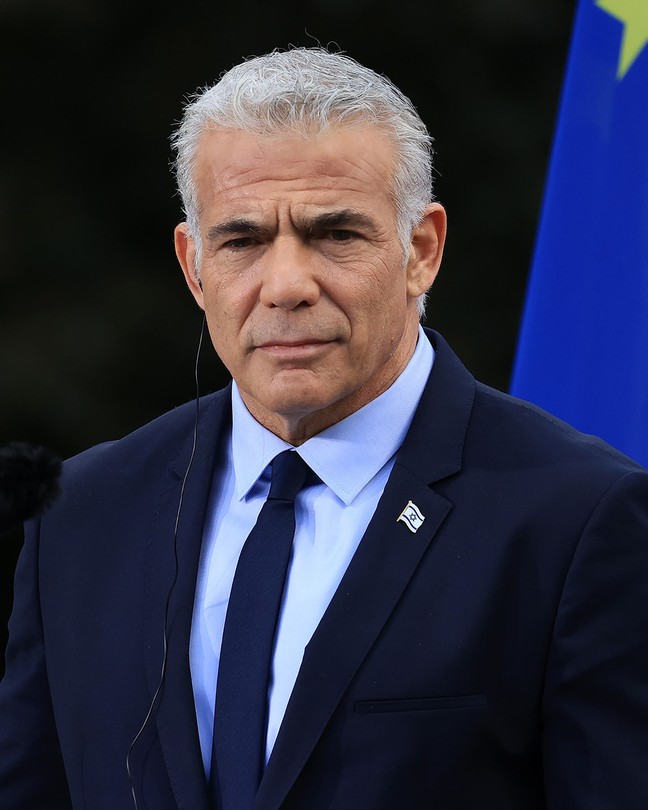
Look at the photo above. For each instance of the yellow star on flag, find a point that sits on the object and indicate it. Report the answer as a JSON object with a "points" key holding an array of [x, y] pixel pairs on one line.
{"points": [[634, 16]]}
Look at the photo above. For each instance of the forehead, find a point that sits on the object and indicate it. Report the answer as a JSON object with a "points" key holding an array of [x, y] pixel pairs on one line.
{"points": [[352, 166]]}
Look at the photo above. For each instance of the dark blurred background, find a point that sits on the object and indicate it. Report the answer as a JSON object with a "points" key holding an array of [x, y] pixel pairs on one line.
{"points": [[97, 333]]}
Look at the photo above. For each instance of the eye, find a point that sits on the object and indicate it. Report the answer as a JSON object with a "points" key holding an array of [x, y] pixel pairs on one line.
{"points": [[239, 243], [341, 235]]}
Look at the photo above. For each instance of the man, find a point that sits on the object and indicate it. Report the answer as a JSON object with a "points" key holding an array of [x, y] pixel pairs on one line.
{"points": [[464, 619]]}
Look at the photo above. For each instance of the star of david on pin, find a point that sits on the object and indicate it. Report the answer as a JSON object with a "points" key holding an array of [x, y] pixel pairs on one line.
{"points": [[412, 517]]}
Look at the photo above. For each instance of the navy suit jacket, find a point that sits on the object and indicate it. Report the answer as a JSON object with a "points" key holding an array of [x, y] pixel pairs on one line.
{"points": [[495, 658]]}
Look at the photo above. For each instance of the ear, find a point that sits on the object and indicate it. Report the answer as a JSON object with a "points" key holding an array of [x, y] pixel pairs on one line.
{"points": [[426, 250], [186, 252]]}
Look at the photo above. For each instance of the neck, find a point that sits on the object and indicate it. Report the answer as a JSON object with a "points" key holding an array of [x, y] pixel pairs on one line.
{"points": [[296, 427]]}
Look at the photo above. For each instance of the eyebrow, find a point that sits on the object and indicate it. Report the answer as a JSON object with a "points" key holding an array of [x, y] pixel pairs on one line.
{"points": [[344, 218], [234, 227]]}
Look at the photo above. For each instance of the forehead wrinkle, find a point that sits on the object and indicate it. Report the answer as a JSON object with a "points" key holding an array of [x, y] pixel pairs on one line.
{"points": [[318, 174]]}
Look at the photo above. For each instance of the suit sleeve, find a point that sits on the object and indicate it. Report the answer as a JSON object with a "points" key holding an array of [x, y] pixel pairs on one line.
{"points": [[32, 774], [595, 741]]}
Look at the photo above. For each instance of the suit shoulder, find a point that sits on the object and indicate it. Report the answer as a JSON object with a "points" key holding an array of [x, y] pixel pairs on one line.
{"points": [[157, 440], [534, 436]]}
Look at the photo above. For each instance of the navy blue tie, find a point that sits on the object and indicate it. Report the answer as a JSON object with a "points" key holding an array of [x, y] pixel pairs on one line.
{"points": [[240, 719]]}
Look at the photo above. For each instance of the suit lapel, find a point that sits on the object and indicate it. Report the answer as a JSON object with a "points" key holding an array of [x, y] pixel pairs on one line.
{"points": [[175, 715], [379, 572], [368, 593]]}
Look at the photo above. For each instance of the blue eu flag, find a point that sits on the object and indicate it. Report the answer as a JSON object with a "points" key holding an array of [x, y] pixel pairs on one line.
{"points": [[583, 348]]}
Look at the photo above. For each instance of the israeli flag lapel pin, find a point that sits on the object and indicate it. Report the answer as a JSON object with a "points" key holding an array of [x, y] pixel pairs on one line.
{"points": [[412, 517]]}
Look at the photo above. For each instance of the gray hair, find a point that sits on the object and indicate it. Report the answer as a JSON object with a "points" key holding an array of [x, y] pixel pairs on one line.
{"points": [[309, 91]]}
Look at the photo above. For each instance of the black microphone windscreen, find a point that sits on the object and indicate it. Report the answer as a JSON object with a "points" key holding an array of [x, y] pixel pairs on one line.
{"points": [[29, 482]]}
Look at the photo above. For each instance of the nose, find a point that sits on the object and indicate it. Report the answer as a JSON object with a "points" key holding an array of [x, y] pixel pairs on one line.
{"points": [[288, 278]]}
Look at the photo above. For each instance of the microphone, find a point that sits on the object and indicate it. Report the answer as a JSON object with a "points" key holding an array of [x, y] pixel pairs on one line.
{"points": [[29, 482]]}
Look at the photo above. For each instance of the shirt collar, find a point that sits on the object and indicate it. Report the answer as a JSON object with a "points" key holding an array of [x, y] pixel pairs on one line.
{"points": [[347, 455]]}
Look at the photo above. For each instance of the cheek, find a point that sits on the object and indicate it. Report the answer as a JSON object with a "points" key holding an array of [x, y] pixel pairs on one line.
{"points": [[379, 298], [229, 297], [225, 316]]}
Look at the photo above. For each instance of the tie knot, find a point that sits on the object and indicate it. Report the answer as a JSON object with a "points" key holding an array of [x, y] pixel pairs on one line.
{"points": [[289, 475]]}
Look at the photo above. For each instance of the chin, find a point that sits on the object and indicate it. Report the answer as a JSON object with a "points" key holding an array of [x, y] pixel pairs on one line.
{"points": [[295, 401]]}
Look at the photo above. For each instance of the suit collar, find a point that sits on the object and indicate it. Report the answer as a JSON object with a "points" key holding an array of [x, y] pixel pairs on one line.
{"points": [[433, 447]]}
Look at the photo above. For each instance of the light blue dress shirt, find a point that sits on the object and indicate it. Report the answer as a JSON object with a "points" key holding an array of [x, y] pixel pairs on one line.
{"points": [[353, 460]]}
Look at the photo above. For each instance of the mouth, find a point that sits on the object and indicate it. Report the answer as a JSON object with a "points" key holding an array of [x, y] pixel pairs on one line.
{"points": [[304, 341], [294, 348]]}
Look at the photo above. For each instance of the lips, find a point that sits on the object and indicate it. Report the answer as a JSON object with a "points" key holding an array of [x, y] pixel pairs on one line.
{"points": [[292, 343], [295, 350]]}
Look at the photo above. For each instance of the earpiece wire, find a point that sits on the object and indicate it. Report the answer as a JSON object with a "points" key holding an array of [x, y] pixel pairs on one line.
{"points": [[165, 631]]}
